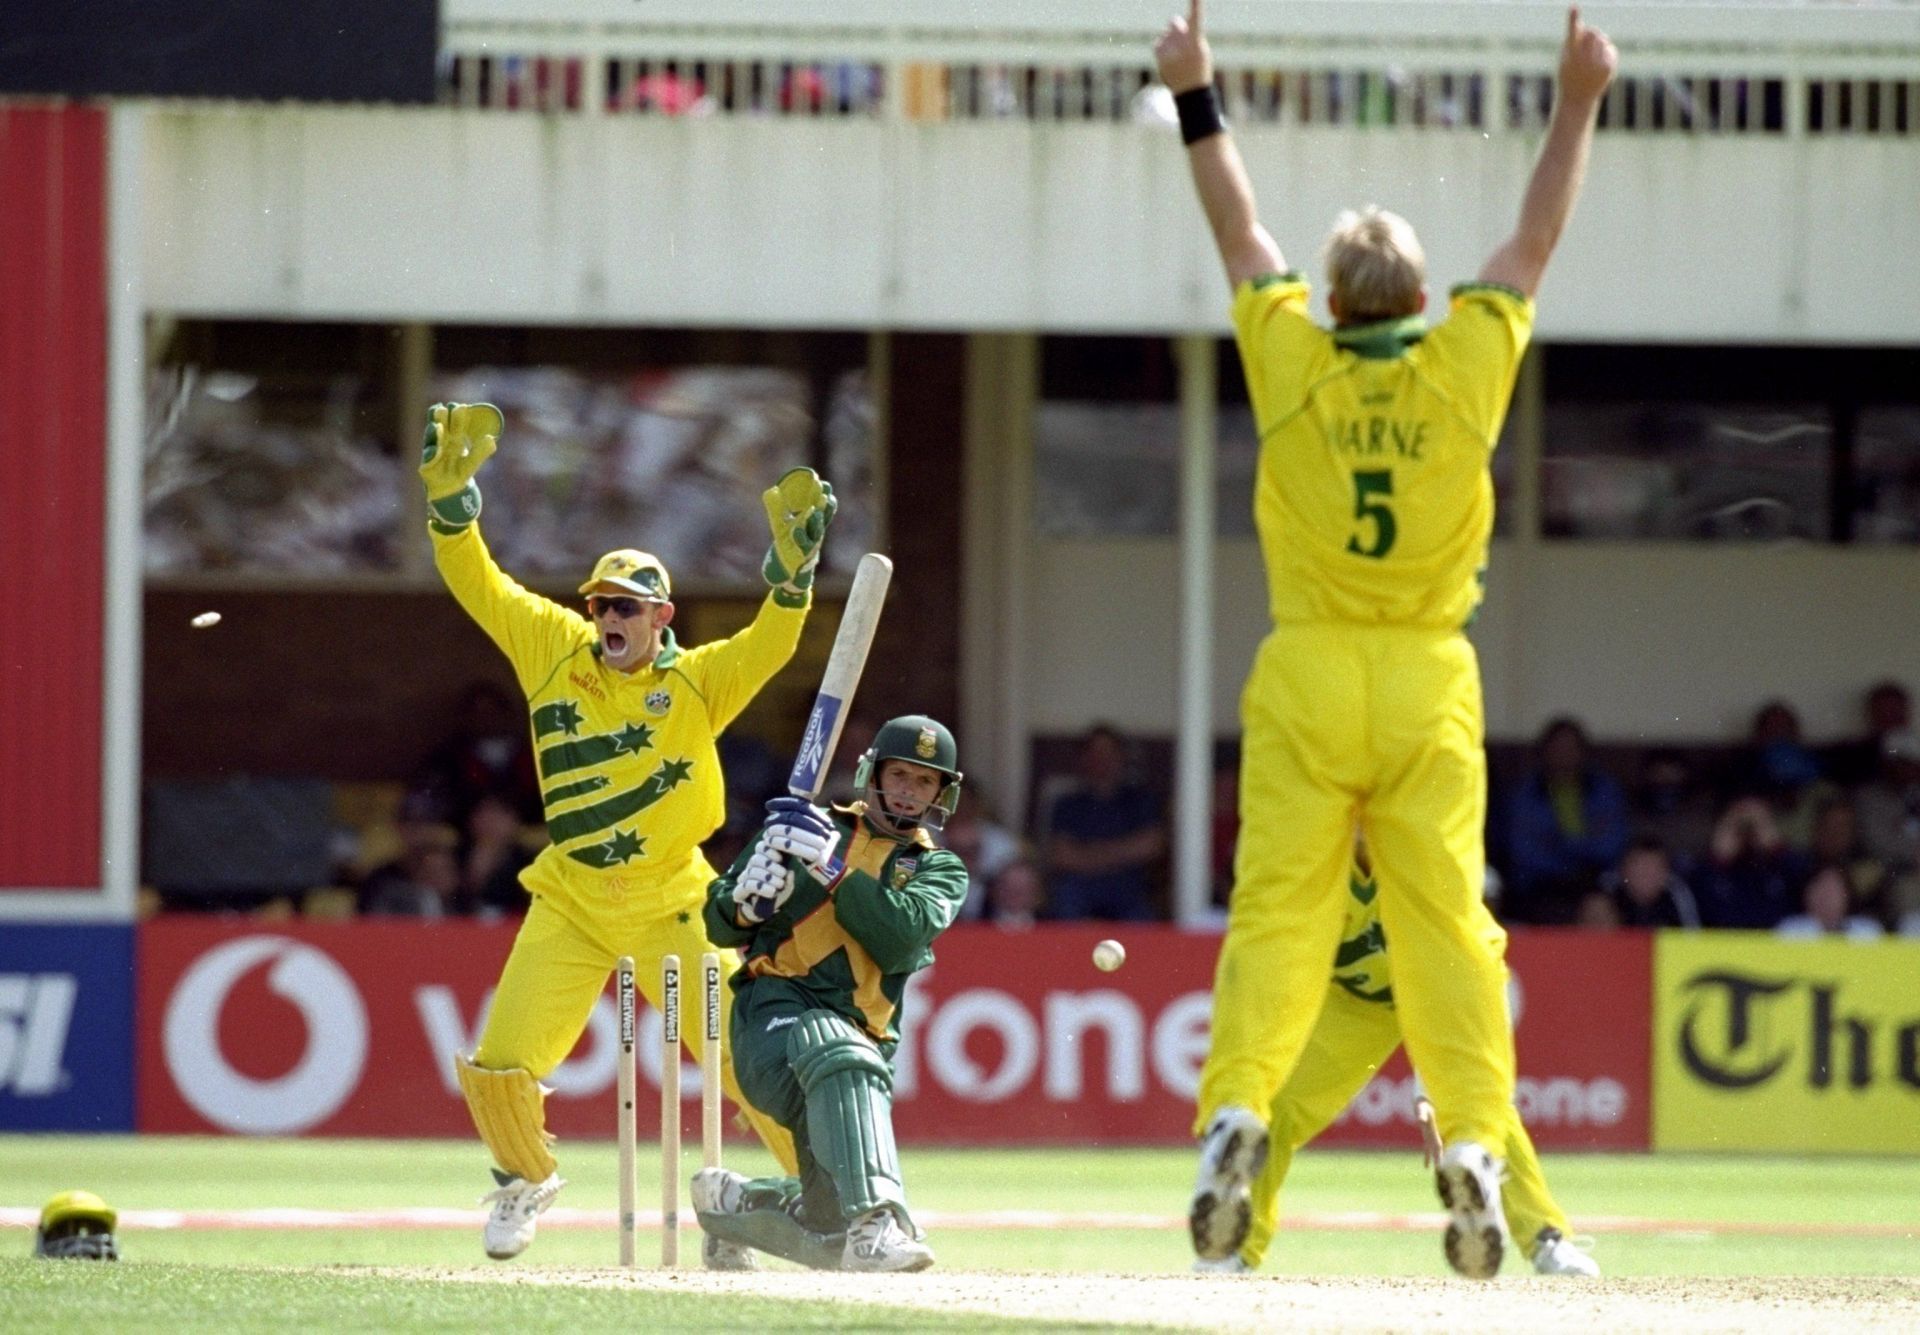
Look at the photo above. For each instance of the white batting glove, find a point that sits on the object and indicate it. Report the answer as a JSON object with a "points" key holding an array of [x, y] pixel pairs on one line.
{"points": [[765, 884], [796, 826]]}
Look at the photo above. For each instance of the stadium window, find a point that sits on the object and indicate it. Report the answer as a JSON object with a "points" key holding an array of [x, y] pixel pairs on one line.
{"points": [[1883, 501], [1730, 444], [271, 447], [1107, 440]]}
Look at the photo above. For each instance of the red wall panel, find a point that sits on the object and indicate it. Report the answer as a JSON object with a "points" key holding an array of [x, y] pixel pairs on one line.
{"points": [[53, 447], [1013, 1037]]}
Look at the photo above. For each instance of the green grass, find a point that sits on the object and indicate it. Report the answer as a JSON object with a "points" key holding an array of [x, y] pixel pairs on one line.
{"points": [[180, 1279]]}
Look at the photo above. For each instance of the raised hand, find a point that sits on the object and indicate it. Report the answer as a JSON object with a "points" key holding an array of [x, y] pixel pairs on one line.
{"points": [[1182, 53], [459, 438], [799, 508], [1587, 60]]}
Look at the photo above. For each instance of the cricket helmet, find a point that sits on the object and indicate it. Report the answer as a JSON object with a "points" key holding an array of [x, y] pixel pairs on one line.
{"points": [[923, 741], [628, 571], [77, 1224]]}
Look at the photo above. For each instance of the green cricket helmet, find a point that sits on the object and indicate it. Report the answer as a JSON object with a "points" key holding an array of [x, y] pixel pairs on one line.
{"points": [[77, 1224], [923, 741]]}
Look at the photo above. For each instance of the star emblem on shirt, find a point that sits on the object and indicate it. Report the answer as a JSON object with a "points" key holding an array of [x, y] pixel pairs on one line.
{"points": [[685, 917], [625, 844], [674, 773], [567, 715], [634, 737]]}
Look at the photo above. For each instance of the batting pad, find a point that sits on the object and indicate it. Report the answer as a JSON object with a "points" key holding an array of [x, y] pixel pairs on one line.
{"points": [[510, 1112], [773, 1231]]}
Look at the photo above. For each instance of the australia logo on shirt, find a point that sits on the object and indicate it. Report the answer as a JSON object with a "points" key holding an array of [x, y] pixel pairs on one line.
{"points": [[658, 702]]}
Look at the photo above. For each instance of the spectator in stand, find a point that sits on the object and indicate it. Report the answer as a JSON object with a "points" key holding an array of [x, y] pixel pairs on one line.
{"points": [[1779, 764], [1752, 878], [489, 752], [1105, 838], [1567, 823], [491, 862], [1888, 709], [1824, 911], [1672, 806], [1836, 843], [1598, 913], [1646, 891], [423, 882], [1889, 805], [986, 846], [1015, 896]]}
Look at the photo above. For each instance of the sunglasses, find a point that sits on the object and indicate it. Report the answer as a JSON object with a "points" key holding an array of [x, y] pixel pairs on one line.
{"points": [[620, 607]]}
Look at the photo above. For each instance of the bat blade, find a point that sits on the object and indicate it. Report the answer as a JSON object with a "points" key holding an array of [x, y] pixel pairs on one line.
{"points": [[844, 665]]}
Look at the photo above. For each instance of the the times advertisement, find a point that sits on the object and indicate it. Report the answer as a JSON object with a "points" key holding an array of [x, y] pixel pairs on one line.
{"points": [[1798, 1046]]}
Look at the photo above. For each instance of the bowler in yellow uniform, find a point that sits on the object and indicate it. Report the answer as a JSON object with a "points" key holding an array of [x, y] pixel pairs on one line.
{"points": [[1374, 505], [624, 725], [1357, 1032]]}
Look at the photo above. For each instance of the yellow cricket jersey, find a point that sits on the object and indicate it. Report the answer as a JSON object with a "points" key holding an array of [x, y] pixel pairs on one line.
{"points": [[1372, 497], [629, 772], [1360, 964]]}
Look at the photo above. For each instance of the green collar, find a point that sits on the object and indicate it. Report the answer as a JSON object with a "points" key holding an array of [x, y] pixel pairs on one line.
{"points": [[1382, 339], [669, 651]]}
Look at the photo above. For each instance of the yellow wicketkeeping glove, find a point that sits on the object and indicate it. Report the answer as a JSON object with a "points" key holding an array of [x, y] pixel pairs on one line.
{"points": [[799, 508], [460, 437]]}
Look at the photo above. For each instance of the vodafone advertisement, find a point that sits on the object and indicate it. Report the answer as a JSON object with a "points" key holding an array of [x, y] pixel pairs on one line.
{"points": [[348, 1029]]}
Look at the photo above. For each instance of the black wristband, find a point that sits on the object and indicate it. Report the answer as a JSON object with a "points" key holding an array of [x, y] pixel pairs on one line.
{"points": [[1200, 117]]}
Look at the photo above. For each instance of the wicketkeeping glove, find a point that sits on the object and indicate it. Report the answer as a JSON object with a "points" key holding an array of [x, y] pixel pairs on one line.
{"points": [[799, 508], [765, 884], [460, 437], [798, 827]]}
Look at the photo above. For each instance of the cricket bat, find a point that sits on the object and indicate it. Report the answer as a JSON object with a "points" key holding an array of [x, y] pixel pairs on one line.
{"points": [[844, 664]]}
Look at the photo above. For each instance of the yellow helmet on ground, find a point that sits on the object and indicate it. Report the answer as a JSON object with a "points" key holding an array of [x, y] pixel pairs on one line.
{"points": [[77, 1224]]}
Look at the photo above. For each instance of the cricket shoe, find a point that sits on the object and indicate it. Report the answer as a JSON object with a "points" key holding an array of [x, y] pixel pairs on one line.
{"points": [[517, 1204], [1468, 1179], [1554, 1253], [877, 1243], [718, 1191], [1232, 1153], [1226, 1265]]}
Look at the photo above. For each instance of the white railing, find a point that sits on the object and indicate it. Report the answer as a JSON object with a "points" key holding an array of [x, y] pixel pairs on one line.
{"points": [[1812, 68]]}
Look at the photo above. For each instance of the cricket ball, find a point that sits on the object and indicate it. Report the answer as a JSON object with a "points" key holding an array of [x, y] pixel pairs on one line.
{"points": [[1109, 955]]}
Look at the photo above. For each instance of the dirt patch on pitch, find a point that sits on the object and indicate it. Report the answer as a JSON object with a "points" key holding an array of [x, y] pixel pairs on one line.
{"points": [[1181, 1302]]}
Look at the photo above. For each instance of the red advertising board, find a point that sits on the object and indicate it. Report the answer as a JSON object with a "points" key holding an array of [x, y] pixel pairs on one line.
{"points": [[348, 1029]]}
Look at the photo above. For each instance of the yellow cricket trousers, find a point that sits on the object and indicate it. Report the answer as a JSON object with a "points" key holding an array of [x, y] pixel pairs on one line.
{"points": [[559, 966], [1381, 727], [1352, 1040]]}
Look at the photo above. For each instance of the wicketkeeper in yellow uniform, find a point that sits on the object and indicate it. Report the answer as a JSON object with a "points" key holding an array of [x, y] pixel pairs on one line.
{"points": [[1357, 1031], [624, 722], [1374, 505]]}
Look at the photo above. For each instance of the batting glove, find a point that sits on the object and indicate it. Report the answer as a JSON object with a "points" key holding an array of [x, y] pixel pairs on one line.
{"points": [[808, 833], [460, 437], [799, 508], [765, 884]]}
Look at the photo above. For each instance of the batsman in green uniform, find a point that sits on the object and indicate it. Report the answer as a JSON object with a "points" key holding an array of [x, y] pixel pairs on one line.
{"points": [[832, 912]]}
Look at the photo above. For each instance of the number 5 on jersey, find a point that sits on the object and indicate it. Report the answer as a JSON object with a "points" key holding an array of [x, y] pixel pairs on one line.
{"points": [[1375, 530]]}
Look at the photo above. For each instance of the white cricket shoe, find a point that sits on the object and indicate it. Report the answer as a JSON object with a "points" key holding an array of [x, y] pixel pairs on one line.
{"points": [[517, 1204], [876, 1242], [718, 1191], [1468, 1179], [1556, 1254], [1226, 1265], [1232, 1153]]}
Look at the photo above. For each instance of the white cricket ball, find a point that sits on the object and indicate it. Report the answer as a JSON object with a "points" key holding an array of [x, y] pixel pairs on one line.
{"points": [[1109, 955], [205, 619]]}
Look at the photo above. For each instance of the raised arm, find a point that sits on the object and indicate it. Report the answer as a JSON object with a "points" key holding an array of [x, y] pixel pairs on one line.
{"points": [[1186, 67], [1587, 63]]}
